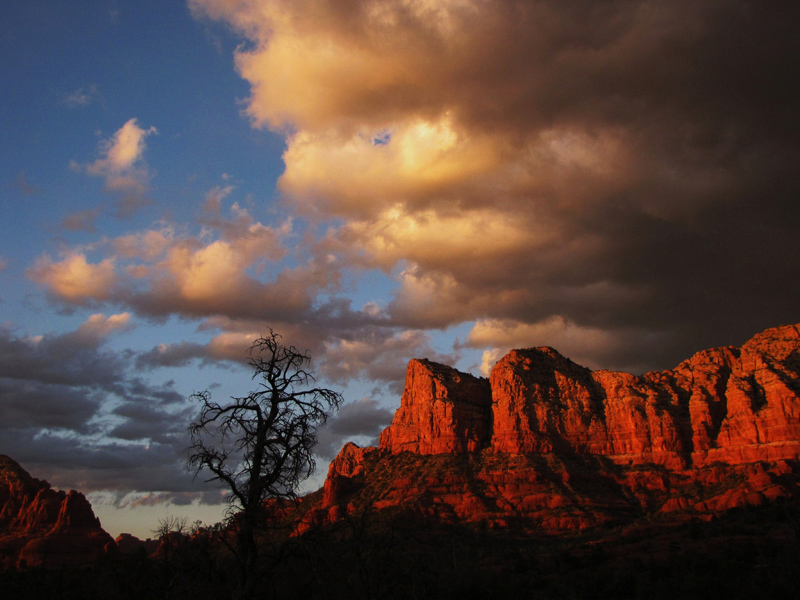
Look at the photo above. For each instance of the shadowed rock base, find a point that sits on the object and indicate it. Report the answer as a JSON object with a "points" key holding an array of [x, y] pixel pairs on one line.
{"points": [[40, 526]]}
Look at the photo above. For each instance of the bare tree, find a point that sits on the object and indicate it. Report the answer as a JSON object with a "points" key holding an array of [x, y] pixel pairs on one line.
{"points": [[260, 446]]}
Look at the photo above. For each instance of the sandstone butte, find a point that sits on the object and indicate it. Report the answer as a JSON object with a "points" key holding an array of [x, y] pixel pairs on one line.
{"points": [[40, 526], [548, 445]]}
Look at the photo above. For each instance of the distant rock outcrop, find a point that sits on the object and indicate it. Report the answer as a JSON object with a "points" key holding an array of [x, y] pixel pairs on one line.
{"points": [[553, 445], [43, 526], [130, 544]]}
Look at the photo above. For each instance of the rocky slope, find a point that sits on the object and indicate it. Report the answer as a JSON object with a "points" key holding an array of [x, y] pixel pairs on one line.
{"points": [[546, 444], [43, 526]]}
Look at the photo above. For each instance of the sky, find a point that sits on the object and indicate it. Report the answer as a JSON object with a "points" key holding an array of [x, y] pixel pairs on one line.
{"points": [[376, 181]]}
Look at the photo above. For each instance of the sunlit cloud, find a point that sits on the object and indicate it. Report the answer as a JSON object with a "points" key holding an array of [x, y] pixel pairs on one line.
{"points": [[161, 270], [99, 326], [414, 161], [121, 159], [74, 279], [591, 169]]}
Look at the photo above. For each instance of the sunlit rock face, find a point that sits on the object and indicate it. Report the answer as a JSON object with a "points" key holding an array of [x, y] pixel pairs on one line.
{"points": [[43, 526], [442, 410], [550, 445], [725, 404], [729, 404]]}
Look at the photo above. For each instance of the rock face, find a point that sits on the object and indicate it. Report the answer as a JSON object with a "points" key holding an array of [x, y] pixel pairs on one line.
{"points": [[725, 404], [441, 411], [562, 447], [43, 526]]}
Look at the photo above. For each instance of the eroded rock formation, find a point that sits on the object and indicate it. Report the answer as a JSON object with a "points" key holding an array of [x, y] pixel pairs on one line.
{"points": [[442, 410], [557, 446], [43, 526]]}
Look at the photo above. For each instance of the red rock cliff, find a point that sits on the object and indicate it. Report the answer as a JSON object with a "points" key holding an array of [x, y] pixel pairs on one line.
{"points": [[551, 445], [441, 411], [728, 404], [43, 526]]}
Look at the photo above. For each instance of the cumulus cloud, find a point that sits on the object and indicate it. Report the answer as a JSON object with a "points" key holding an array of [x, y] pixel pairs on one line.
{"points": [[631, 165], [161, 271], [121, 161], [73, 279]]}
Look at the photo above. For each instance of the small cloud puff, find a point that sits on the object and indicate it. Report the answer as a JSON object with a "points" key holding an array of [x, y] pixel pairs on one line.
{"points": [[75, 280], [82, 97], [121, 159]]}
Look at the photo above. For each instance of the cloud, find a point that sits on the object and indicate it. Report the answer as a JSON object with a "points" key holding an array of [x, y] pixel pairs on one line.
{"points": [[362, 420], [377, 355], [74, 411], [226, 347], [590, 346], [98, 326], [214, 198], [121, 160], [625, 166], [73, 279], [119, 468], [81, 221], [74, 358], [160, 271], [83, 96], [26, 405]]}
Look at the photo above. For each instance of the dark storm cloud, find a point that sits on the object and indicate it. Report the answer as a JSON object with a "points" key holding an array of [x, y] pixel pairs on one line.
{"points": [[362, 420], [377, 355], [74, 358], [72, 463], [73, 411], [626, 166], [34, 405]]}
